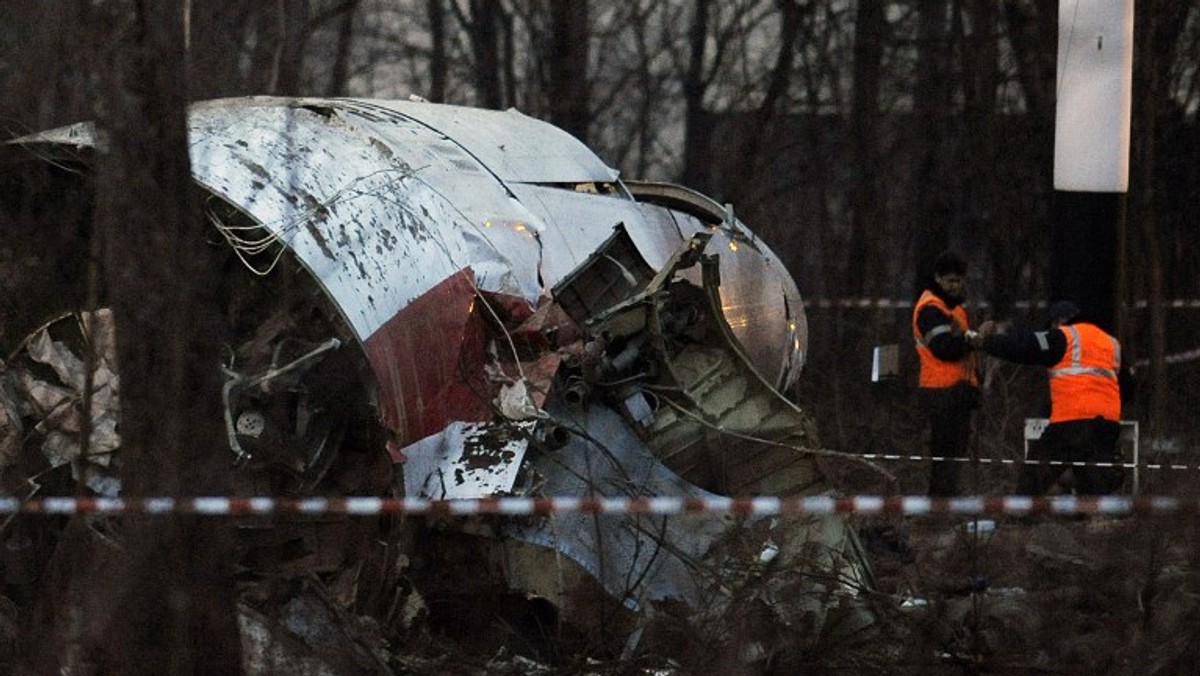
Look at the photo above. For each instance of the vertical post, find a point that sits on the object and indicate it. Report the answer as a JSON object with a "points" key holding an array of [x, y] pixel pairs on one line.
{"points": [[1091, 150], [1083, 252]]}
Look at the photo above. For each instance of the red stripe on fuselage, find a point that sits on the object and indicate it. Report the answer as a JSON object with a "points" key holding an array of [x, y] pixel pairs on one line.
{"points": [[428, 360]]}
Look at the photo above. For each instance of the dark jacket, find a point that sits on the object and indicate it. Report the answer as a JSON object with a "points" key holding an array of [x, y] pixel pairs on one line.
{"points": [[945, 404], [948, 346], [1035, 348], [1042, 348]]}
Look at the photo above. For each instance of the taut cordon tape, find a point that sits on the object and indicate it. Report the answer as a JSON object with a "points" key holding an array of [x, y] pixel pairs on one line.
{"points": [[904, 304], [912, 505], [1027, 461]]}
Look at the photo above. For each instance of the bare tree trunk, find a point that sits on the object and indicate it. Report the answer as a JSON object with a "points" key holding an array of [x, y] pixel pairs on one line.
{"points": [[508, 59], [292, 39], [44, 91], [482, 24], [1146, 114], [158, 597], [978, 34], [339, 75], [218, 34], [930, 209], [748, 162], [869, 36], [1033, 32], [438, 64], [1031, 27], [696, 122], [569, 84]]}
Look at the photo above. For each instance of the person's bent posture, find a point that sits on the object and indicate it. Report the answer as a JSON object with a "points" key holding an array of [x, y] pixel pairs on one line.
{"points": [[1082, 362]]}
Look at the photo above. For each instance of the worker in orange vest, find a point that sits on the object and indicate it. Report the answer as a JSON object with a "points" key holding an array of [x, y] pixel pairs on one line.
{"points": [[1083, 364], [948, 384]]}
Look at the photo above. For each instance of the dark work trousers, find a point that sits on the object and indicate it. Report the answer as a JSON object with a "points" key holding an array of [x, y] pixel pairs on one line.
{"points": [[949, 411], [1093, 440]]}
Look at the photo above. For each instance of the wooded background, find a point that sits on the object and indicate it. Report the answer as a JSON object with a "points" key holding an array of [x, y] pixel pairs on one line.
{"points": [[857, 138]]}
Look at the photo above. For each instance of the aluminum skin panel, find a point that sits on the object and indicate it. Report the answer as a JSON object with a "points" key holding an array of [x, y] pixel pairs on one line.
{"points": [[642, 560], [353, 207], [580, 223], [514, 146], [384, 200], [759, 297]]}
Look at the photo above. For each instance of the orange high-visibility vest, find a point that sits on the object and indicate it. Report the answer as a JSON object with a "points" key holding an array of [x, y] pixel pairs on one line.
{"points": [[1083, 384], [934, 371]]}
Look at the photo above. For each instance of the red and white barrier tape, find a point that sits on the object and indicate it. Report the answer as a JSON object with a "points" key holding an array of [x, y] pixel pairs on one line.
{"points": [[1028, 461], [513, 506], [902, 304], [1177, 358]]}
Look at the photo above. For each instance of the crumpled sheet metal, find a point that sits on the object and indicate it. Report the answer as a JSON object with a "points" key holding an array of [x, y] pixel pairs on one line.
{"points": [[636, 558], [358, 210], [58, 406], [466, 460], [387, 203], [380, 205], [12, 431], [661, 552], [760, 299], [383, 200], [512, 145], [644, 559], [581, 222], [309, 638]]}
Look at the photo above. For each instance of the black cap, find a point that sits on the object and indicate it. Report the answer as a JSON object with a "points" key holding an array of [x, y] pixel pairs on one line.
{"points": [[949, 262], [1062, 311]]}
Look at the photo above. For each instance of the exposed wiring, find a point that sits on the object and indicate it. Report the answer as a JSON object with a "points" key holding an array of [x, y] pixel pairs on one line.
{"points": [[248, 247]]}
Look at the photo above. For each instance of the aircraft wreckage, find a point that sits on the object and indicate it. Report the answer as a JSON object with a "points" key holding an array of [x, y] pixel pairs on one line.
{"points": [[519, 320]]}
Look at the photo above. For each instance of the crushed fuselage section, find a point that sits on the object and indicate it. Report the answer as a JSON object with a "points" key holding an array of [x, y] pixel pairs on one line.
{"points": [[454, 303]]}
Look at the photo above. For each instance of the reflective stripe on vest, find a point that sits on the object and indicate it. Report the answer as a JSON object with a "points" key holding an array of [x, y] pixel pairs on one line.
{"points": [[934, 371], [1083, 384]]}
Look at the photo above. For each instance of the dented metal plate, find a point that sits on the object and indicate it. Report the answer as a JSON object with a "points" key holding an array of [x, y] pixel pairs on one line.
{"points": [[466, 460], [372, 232], [512, 145], [457, 245], [383, 200]]}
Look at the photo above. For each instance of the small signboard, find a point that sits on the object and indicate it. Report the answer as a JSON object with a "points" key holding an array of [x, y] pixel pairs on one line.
{"points": [[885, 363]]}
